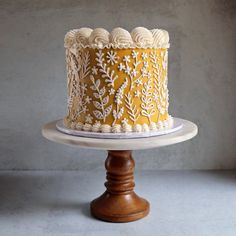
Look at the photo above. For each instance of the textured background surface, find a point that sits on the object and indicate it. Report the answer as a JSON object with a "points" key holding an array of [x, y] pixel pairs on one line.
{"points": [[201, 74], [56, 203]]}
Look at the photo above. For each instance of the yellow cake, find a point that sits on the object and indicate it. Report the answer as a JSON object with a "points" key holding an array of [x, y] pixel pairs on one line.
{"points": [[117, 82]]}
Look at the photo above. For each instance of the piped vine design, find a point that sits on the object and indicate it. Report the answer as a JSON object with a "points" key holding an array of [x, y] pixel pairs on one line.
{"points": [[160, 87], [147, 104], [101, 105], [106, 71]]}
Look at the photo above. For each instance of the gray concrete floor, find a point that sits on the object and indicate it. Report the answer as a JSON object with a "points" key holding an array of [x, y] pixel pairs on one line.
{"points": [[57, 203]]}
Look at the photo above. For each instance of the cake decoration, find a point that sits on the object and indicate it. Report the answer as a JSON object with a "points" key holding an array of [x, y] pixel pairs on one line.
{"points": [[117, 82], [82, 35], [121, 37], [139, 37], [142, 36], [99, 37]]}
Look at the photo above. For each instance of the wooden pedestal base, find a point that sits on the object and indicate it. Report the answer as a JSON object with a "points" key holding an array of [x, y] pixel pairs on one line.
{"points": [[119, 203]]}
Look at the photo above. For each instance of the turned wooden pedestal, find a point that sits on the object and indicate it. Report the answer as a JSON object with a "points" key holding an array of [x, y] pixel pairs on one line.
{"points": [[119, 203]]}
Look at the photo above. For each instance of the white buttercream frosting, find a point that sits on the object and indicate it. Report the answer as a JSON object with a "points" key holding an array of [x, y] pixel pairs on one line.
{"points": [[160, 125], [87, 127], [142, 36], [116, 128], [69, 39], [79, 126], [145, 128], [105, 128], [97, 127], [138, 128], [153, 126], [73, 125], [82, 35], [160, 38], [99, 37], [119, 37], [165, 124], [126, 128]]}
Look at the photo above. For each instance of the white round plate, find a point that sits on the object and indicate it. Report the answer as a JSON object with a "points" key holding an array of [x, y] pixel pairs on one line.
{"points": [[177, 125]]}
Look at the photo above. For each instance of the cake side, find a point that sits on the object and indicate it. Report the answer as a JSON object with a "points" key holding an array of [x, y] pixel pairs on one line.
{"points": [[116, 89]]}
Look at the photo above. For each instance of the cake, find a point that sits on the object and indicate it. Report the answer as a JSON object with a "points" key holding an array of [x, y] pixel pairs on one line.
{"points": [[117, 81]]}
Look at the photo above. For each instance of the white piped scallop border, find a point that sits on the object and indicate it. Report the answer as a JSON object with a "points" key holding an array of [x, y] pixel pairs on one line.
{"points": [[162, 41], [176, 125], [161, 125], [119, 46]]}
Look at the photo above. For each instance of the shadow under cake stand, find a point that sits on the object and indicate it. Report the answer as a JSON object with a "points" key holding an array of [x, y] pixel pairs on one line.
{"points": [[119, 203]]}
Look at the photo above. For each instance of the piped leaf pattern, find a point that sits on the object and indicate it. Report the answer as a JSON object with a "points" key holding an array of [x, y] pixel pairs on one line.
{"points": [[98, 114], [97, 105], [132, 109], [108, 110], [78, 68], [147, 104], [105, 100], [107, 73], [138, 89], [96, 95], [102, 91], [102, 111], [161, 95], [117, 114]]}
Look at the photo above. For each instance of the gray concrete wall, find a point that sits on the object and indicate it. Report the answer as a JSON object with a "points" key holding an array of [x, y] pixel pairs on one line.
{"points": [[202, 79]]}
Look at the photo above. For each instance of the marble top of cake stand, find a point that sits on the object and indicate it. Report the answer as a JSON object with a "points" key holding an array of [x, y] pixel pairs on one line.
{"points": [[188, 131], [119, 203]]}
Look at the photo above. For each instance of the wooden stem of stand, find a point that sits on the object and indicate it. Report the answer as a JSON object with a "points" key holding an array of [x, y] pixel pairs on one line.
{"points": [[119, 203]]}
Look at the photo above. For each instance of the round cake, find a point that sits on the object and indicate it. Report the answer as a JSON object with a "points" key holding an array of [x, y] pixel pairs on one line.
{"points": [[117, 81]]}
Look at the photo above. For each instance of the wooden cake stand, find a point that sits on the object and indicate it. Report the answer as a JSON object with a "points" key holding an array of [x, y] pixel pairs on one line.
{"points": [[119, 203]]}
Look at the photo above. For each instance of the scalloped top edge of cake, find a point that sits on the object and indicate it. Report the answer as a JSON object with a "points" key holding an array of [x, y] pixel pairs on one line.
{"points": [[139, 37]]}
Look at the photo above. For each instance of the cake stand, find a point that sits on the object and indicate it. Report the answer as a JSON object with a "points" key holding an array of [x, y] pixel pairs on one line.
{"points": [[119, 203]]}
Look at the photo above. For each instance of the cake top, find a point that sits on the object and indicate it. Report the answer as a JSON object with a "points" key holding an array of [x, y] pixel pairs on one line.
{"points": [[139, 37]]}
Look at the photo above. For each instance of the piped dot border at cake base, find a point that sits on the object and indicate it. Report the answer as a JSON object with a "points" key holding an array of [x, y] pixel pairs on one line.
{"points": [[117, 128], [176, 126]]}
